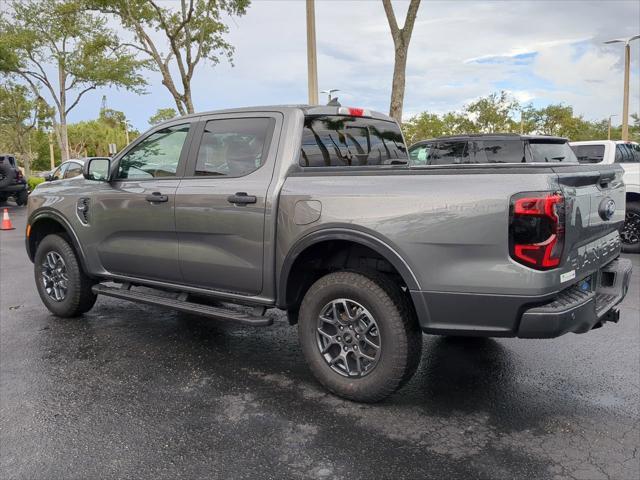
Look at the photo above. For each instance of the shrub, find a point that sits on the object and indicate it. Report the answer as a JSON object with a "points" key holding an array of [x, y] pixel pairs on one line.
{"points": [[33, 181]]}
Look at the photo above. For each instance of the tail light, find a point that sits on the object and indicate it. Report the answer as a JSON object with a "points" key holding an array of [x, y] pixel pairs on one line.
{"points": [[536, 229], [354, 112], [19, 176]]}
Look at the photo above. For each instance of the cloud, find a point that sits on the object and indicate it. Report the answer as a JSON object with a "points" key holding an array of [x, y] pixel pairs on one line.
{"points": [[541, 51]]}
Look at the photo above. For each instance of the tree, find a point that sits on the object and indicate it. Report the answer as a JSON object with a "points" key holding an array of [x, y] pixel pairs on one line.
{"points": [[20, 112], [162, 115], [194, 32], [92, 137], [494, 113], [58, 46], [401, 38]]}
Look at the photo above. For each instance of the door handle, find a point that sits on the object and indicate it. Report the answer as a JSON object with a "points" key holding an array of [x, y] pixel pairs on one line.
{"points": [[157, 197], [241, 198]]}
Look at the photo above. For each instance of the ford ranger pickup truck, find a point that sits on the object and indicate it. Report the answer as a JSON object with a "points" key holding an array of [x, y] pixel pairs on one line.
{"points": [[317, 211]]}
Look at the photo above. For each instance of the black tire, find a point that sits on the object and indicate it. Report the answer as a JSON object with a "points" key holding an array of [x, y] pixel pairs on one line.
{"points": [[631, 235], [79, 298], [22, 197], [400, 334]]}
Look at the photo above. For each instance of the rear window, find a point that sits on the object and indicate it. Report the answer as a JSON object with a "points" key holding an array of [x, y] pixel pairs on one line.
{"points": [[546, 151], [589, 153], [342, 141], [627, 153], [8, 159]]}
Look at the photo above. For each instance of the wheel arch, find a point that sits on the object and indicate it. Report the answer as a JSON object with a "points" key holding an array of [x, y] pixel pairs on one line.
{"points": [[345, 237], [49, 222]]}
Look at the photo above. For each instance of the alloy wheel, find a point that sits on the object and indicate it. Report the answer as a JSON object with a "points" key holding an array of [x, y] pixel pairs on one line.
{"points": [[348, 338]]}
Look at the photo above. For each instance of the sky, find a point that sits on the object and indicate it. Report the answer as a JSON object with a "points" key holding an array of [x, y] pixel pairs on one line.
{"points": [[541, 51]]}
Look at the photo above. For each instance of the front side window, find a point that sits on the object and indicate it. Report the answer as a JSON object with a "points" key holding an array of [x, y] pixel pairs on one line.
{"points": [[589, 153], [343, 141], [73, 170], [157, 156], [419, 156], [234, 147]]}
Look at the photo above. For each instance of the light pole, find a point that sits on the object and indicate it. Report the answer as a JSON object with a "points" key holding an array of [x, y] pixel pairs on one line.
{"points": [[609, 131], [625, 101], [312, 60]]}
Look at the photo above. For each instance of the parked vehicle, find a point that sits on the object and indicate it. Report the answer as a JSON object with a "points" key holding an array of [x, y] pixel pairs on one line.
{"points": [[627, 154], [317, 211], [69, 169], [490, 148], [12, 181]]}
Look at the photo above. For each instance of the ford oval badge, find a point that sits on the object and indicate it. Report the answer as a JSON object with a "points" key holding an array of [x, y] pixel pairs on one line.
{"points": [[607, 208]]}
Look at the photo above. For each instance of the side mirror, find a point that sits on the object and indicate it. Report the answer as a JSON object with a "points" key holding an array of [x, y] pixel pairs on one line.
{"points": [[48, 177], [97, 169]]}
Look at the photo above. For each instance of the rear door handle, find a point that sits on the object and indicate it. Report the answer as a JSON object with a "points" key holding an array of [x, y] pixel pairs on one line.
{"points": [[241, 198], [157, 197]]}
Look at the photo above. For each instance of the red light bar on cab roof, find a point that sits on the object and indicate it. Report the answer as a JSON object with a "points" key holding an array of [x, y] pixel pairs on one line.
{"points": [[354, 112]]}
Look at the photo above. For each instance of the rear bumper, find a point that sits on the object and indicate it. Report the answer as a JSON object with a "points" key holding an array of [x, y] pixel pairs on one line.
{"points": [[578, 311], [572, 310]]}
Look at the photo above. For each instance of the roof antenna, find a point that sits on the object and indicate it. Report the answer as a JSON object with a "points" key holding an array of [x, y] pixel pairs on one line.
{"points": [[334, 102]]}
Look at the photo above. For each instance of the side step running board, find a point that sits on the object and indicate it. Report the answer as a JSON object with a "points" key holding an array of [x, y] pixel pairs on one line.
{"points": [[183, 305]]}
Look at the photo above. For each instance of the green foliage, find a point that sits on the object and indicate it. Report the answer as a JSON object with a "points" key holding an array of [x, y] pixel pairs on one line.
{"points": [[32, 182], [20, 112], [57, 46], [493, 113], [162, 115], [194, 31], [91, 138], [500, 113]]}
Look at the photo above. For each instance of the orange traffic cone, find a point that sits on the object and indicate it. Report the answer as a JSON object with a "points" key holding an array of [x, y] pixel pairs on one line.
{"points": [[6, 221]]}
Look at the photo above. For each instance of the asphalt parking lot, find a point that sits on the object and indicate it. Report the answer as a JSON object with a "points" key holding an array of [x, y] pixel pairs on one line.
{"points": [[131, 391]]}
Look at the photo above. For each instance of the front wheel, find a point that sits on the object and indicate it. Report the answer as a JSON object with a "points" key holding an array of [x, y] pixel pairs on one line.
{"points": [[630, 233], [62, 285], [359, 335]]}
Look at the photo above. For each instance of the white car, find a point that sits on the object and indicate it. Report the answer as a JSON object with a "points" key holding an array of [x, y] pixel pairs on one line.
{"points": [[627, 154]]}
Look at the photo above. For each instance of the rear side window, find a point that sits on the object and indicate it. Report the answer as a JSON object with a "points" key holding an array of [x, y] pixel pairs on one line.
{"points": [[500, 151], [635, 152], [233, 147], [447, 153], [589, 153], [342, 141]]}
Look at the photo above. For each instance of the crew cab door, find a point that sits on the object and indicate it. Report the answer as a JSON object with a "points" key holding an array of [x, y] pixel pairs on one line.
{"points": [[132, 221], [221, 204]]}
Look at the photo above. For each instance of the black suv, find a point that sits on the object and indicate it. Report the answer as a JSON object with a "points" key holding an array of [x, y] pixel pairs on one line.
{"points": [[12, 182], [490, 148]]}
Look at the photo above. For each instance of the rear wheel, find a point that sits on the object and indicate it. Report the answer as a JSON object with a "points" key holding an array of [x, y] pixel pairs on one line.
{"points": [[359, 335], [62, 285], [630, 233], [21, 197]]}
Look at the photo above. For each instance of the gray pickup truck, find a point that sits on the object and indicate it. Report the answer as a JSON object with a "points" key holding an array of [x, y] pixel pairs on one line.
{"points": [[318, 211]]}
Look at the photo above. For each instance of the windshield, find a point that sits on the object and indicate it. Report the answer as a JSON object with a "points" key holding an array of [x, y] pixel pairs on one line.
{"points": [[545, 151]]}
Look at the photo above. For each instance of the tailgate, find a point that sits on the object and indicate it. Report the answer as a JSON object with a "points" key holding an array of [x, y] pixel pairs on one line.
{"points": [[594, 212]]}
